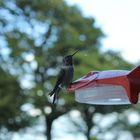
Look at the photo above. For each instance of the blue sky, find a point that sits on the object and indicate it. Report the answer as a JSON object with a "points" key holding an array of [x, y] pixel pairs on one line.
{"points": [[119, 20]]}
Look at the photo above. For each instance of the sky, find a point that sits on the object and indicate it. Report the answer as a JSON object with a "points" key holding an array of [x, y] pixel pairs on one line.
{"points": [[119, 20]]}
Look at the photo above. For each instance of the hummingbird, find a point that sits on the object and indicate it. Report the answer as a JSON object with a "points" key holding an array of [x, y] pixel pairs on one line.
{"points": [[65, 76]]}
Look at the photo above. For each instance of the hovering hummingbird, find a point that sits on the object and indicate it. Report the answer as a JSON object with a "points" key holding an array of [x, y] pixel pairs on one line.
{"points": [[65, 76]]}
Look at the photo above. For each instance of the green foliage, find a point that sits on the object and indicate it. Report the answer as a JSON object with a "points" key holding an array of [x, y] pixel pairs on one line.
{"points": [[11, 100], [94, 138]]}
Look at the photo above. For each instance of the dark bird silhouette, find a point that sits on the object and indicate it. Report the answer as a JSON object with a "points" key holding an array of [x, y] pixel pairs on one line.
{"points": [[65, 76]]}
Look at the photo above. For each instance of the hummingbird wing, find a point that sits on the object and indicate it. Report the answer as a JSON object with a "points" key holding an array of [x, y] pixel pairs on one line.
{"points": [[58, 82]]}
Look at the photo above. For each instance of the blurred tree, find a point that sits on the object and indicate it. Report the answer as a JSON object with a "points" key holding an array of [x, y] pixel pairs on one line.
{"points": [[12, 118], [35, 35]]}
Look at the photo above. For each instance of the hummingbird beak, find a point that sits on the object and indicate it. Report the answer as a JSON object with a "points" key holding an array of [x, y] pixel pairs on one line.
{"points": [[75, 53]]}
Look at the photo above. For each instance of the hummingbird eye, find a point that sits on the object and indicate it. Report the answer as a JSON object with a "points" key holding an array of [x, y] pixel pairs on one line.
{"points": [[68, 59]]}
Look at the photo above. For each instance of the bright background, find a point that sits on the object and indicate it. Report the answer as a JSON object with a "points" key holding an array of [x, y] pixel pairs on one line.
{"points": [[119, 20]]}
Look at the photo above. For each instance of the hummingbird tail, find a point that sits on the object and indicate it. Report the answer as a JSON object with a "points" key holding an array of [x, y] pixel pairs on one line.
{"points": [[56, 95], [51, 93]]}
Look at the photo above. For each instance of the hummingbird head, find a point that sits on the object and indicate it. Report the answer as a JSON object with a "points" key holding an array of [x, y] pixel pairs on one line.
{"points": [[68, 60]]}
